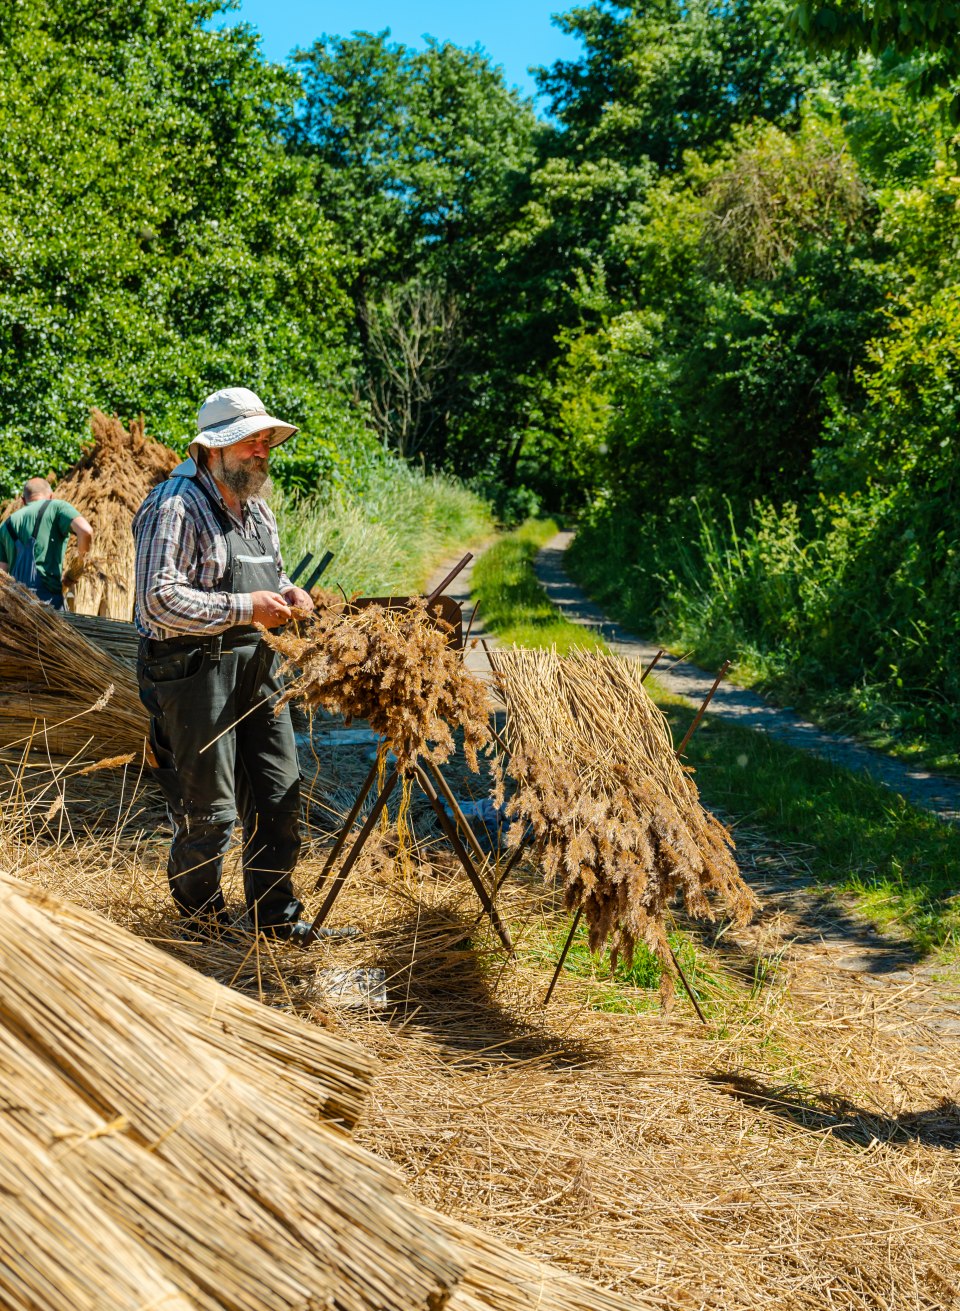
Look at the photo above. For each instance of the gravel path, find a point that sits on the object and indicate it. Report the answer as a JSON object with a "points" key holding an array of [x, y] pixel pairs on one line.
{"points": [[931, 791]]}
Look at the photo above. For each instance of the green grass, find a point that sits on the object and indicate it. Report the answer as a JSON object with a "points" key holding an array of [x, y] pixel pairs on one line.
{"points": [[703, 619], [900, 864], [387, 539], [630, 989], [512, 602]]}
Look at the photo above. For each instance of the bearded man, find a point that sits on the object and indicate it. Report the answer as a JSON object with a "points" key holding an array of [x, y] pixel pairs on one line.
{"points": [[208, 569]]}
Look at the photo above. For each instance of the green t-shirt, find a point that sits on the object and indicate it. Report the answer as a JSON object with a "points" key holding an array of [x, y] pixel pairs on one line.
{"points": [[51, 543]]}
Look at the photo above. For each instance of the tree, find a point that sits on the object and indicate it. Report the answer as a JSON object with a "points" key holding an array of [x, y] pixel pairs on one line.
{"points": [[415, 155], [156, 239], [925, 33]]}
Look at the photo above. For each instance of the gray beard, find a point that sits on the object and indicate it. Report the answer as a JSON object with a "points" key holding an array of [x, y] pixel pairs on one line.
{"points": [[245, 482]]}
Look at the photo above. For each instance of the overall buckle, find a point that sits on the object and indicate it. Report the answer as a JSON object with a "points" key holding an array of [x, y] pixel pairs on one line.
{"points": [[216, 649]]}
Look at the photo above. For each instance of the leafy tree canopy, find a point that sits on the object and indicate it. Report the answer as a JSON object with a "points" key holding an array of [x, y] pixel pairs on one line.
{"points": [[156, 239]]}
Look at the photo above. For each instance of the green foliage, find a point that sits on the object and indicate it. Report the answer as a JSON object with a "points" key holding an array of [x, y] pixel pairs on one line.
{"points": [[415, 155], [156, 239], [923, 31]]}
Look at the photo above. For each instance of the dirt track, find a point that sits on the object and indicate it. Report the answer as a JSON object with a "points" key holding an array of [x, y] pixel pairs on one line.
{"points": [[931, 791]]}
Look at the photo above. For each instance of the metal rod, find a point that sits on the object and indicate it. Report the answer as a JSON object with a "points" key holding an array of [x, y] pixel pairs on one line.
{"points": [[453, 837], [301, 566], [683, 980], [458, 814], [563, 955], [341, 877], [508, 868], [651, 666], [470, 625], [699, 715], [324, 561], [438, 590], [348, 824]]}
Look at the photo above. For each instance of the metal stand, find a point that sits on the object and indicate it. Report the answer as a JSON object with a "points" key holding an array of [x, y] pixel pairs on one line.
{"points": [[447, 825], [425, 779], [576, 921]]}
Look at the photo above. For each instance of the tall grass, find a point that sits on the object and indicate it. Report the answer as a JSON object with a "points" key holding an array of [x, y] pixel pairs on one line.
{"points": [[387, 538], [837, 615]]}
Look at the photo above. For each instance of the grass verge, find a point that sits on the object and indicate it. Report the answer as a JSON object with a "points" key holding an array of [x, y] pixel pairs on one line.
{"points": [[388, 538], [512, 602], [900, 864], [704, 618]]}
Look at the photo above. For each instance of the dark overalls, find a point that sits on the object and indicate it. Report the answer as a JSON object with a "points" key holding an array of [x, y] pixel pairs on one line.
{"points": [[198, 689]]}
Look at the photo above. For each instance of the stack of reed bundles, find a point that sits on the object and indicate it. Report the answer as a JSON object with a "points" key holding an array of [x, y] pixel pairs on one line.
{"points": [[329, 1075], [617, 817], [107, 485], [240, 1199], [157, 1153], [58, 692]]}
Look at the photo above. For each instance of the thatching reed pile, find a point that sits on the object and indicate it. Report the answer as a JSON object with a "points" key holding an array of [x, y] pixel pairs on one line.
{"points": [[617, 817], [58, 692], [395, 668], [107, 486], [156, 1151], [229, 1187]]}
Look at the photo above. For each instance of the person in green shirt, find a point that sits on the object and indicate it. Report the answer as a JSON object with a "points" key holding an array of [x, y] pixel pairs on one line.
{"points": [[33, 541]]}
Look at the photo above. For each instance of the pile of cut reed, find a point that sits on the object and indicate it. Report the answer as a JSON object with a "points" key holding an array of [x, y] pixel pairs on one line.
{"points": [[617, 817], [395, 668], [58, 691], [231, 1192], [107, 486], [157, 1150]]}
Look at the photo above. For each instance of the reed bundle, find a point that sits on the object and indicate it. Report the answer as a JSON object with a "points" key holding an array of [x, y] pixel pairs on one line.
{"points": [[394, 668], [107, 486], [56, 689], [246, 1201], [117, 638], [617, 816], [330, 1076]]}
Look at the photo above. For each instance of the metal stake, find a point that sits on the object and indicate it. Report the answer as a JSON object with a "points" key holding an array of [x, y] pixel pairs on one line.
{"points": [[348, 824], [301, 566], [321, 567], [438, 590], [699, 715], [563, 955], [453, 837], [683, 980], [368, 827], [651, 666]]}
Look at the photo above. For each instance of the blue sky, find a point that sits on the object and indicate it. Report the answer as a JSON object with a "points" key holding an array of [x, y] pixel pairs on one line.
{"points": [[514, 34]]}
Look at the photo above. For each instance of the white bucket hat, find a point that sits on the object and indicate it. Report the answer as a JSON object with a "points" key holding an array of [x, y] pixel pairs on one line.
{"points": [[232, 415]]}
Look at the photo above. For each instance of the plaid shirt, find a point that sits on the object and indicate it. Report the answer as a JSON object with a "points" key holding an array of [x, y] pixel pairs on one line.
{"points": [[181, 556]]}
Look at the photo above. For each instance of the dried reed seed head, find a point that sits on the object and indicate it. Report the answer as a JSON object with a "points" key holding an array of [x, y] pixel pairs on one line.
{"points": [[392, 667], [599, 784]]}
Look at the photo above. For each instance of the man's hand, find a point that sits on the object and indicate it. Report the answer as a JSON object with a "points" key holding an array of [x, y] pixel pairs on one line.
{"points": [[269, 609], [298, 597]]}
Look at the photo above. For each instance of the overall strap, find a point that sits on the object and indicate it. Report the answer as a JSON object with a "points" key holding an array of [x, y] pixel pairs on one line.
{"points": [[43, 510]]}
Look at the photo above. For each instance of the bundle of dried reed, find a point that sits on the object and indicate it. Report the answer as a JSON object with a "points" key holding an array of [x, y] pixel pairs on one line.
{"points": [[117, 638], [57, 690], [618, 817], [331, 1077], [396, 669], [245, 1200], [107, 486]]}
